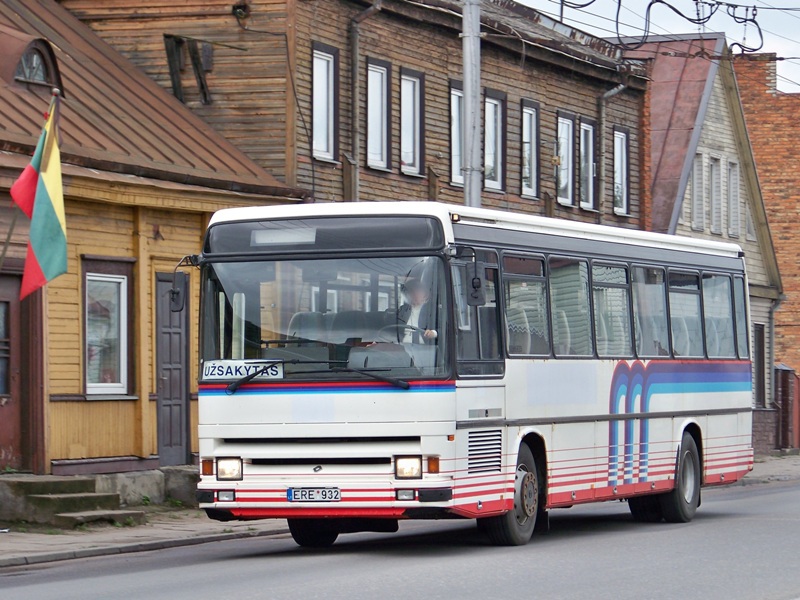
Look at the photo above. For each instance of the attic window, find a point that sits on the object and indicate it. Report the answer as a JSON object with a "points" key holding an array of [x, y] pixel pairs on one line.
{"points": [[35, 66]]}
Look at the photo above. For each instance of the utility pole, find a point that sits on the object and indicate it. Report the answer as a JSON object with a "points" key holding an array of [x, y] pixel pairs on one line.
{"points": [[471, 153]]}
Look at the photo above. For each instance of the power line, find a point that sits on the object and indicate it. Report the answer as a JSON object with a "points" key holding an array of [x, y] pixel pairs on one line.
{"points": [[617, 23]]}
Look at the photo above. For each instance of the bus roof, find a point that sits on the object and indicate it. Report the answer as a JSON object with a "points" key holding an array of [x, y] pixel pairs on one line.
{"points": [[450, 213]]}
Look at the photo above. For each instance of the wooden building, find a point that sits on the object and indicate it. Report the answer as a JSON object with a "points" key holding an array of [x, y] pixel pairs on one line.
{"points": [[96, 374], [278, 78], [705, 185], [346, 100]]}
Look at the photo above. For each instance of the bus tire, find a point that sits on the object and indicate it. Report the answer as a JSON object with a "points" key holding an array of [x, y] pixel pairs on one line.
{"points": [[646, 509], [680, 505], [313, 533], [515, 527]]}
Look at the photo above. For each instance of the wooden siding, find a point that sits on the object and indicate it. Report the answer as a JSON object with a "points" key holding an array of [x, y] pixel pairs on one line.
{"points": [[92, 429], [247, 82], [157, 238], [253, 101], [717, 140], [436, 52]]}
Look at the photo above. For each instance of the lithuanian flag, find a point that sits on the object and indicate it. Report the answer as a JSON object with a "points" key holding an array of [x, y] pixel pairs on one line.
{"points": [[39, 195]]}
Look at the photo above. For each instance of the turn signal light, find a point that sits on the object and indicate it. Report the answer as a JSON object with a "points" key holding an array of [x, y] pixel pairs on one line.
{"points": [[433, 464], [207, 467]]}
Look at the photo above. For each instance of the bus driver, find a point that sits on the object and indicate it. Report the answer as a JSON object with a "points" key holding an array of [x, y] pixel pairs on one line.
{"points": [[418, 313]]}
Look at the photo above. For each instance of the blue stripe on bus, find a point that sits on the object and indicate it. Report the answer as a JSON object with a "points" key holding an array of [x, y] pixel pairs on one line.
{"points": [[642, 381]]}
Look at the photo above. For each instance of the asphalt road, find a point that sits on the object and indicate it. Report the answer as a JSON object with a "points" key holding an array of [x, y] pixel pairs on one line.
{"points": [[743, 544]]}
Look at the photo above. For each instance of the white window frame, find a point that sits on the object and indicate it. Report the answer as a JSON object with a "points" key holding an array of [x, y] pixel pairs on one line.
{"points": [[411, 129], [715, 194], [378, 118], [734, 208], [456, 136], [698, 208], [566, 154], [530, 137], [621, 173], [323, 105], [118, 387], [587, 164], [493, 133]]}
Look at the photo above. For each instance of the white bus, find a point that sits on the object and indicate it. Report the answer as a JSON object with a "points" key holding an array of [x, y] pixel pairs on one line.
{"points": [[363, 363]]}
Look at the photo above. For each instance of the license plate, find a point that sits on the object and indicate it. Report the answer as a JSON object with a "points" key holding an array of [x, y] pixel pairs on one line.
{"points": [[313, 495]]}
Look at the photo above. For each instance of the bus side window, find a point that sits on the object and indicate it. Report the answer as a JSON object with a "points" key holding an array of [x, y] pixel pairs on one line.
{"points": [[527, 330], [718, 316], [740, 306], [478, 332], [684, 314], [650, 311], [569, 300], [612, 319]]}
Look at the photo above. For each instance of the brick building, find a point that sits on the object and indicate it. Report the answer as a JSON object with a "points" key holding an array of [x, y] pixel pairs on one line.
{"points": [[771, 118]]}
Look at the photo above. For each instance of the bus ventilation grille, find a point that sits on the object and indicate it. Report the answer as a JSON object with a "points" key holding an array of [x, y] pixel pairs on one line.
{"points": [[485, 451]]}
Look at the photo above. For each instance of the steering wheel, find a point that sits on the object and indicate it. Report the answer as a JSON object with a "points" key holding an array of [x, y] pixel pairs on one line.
{"points": [[384, 333]]}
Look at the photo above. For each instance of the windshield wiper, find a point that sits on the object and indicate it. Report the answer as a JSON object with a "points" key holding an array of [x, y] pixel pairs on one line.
{"points": [[232, 387]]}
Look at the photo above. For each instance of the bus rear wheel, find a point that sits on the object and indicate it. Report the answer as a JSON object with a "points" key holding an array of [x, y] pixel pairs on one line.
{"points": [[313, 533], [515, 527], [680, 505]]}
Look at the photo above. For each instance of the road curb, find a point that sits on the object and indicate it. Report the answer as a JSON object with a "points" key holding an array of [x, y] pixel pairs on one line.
{"points": [[35, 559]]}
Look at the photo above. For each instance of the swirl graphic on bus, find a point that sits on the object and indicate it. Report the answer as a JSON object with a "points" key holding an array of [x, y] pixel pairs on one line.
{"points": [[636, 384]]}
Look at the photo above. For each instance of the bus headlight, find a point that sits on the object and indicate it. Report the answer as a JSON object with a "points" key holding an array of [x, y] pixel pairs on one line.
{"points": [[408, 467], [229, 469]]}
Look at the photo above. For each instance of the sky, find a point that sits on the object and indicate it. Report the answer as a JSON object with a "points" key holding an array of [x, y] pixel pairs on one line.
{"points": [[780, 28]]}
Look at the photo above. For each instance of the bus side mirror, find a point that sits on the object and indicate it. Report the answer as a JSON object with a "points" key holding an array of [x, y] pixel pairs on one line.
{"points": [[177, 295], [476, 295]]}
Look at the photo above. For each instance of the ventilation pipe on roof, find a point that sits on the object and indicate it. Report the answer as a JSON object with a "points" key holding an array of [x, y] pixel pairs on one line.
{"points": [[601, 117], [355, 94]]}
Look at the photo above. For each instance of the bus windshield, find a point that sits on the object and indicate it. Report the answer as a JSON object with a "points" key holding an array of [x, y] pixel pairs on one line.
{"points": [[326, 318]]}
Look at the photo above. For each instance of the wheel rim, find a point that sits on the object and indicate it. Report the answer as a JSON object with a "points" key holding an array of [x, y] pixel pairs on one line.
{"points": [[688, 477], [526, 494]]}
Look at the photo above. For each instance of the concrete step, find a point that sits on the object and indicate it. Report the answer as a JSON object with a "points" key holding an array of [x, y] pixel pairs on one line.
{"points": [[43, 507], [126, 518], [25, 485]]}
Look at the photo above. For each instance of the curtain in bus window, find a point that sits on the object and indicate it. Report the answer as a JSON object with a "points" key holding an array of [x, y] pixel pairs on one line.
{"points": [[650, 312], [718, 316], [684, 314], [612, 322], [569, 297]]}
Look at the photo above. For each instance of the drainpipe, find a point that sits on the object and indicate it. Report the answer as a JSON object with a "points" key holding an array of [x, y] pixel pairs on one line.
{"points": [[355, 93], [601, 113]]}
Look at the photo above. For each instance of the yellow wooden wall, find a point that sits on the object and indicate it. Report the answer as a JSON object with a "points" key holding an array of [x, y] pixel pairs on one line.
{"points": [[157, 238]]}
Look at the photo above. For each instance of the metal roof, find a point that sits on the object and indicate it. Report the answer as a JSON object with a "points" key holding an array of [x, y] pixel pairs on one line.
{"points": [[114, 118]]}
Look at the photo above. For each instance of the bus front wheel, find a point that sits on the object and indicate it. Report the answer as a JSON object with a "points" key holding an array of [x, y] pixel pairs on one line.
{"points": [[313, 533], [679, 505], [515, 527]]}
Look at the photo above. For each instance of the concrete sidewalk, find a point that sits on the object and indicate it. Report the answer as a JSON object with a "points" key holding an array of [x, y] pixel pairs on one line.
{"points": [[168, 528]]}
